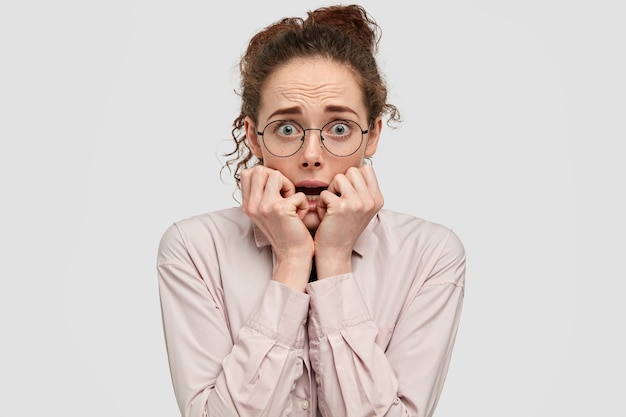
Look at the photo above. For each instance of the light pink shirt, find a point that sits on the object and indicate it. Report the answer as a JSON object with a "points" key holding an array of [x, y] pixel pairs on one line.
{"points": [[374, 342]]}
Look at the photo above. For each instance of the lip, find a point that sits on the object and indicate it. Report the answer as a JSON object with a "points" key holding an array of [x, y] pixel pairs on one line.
{"points": [[312, 183]]}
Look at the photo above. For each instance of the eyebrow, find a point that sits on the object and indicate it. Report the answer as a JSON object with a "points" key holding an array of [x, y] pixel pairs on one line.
{"points": [[286, 111], [298, 110]]}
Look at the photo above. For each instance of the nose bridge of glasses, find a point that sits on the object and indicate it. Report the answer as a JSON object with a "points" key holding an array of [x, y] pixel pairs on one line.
{"points": [[320, 137]]}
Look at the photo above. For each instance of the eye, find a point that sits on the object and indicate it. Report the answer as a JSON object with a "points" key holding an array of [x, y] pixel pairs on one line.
{"points": [[287, 129], [339, 128]]}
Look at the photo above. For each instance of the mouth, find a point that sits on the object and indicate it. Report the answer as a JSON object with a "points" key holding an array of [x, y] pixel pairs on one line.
{"points": [[310, 190]]}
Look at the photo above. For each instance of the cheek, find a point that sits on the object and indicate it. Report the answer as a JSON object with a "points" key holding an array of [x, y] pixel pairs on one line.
{"points": [[284, 165], [270, 162], [343, 164]]}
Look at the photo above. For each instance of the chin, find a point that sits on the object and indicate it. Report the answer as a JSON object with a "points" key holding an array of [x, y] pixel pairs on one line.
{"points": [[311, 221]]}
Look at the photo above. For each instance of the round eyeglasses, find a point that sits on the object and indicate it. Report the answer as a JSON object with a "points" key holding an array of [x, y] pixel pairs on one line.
{"points": [[283, 138]]}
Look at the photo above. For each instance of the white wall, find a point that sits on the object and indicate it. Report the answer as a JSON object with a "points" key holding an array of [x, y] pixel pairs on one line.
{"points": [[112, 118]]}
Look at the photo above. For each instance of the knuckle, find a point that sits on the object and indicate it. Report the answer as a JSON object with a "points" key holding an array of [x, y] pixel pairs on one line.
{"points": [[265, 210], [249, 211]]}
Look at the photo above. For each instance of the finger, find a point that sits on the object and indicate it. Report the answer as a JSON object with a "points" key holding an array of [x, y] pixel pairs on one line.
{"points": [[278, 185], [245, 180], [301, 204], [287, 188], [258, 180], [355, 176], [338, 185], [369, 176], [298, 200], [338, 189]]}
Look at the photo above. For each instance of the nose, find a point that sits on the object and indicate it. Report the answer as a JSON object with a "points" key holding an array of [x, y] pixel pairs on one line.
{"points": [[312, 154]]}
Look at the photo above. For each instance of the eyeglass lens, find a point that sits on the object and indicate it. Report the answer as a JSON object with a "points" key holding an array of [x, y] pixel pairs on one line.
{"points": [[286, 137]]}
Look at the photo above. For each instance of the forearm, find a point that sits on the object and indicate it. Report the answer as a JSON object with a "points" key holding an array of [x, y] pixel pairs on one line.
{"points": [[252, 376], [404, 375], [266, 361], [354, 377]]}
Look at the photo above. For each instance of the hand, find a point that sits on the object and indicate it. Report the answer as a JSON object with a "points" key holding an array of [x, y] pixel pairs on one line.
{"points": [[272, 203], [346, 208]]}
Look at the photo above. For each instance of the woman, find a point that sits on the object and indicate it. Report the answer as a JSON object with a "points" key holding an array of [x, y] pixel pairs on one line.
{"points": [[310, 299]]}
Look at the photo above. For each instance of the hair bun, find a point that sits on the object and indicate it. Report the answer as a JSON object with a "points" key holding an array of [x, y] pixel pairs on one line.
{"points": [[352, 20]]}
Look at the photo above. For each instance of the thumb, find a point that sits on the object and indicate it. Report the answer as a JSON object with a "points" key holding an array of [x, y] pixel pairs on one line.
{"points": [[301, 204]]}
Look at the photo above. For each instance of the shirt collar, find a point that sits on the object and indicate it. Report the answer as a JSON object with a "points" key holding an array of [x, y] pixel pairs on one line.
{"points": [[360, 247]]}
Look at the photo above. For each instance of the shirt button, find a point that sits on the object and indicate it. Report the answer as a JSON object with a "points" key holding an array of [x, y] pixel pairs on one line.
{"points": [[304, 405]]}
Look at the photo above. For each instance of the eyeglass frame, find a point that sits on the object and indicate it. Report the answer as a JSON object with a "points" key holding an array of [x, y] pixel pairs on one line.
{"points": [[321, 140]]}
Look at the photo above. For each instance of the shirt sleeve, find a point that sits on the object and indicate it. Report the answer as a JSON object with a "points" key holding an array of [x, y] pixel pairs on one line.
{"points": [[355, 376], [212, 374]]}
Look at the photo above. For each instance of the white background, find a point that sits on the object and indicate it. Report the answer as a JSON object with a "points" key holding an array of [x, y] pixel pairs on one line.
{"points": [[113, 116]]}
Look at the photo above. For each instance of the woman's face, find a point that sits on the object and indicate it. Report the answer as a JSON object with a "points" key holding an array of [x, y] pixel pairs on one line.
{"points": [[312, 92]]}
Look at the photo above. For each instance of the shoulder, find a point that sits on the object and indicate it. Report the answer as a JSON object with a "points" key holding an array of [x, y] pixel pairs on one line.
{"points": [[202, 230], [431, 244], [405, 226], [227, 218]]}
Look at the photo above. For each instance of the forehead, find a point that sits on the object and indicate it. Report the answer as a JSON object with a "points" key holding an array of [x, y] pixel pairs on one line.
{"points": [[311, 86]]}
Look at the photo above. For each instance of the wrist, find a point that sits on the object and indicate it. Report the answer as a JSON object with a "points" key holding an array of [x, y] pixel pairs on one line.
{"points": [[333, 263], [293, 272]]}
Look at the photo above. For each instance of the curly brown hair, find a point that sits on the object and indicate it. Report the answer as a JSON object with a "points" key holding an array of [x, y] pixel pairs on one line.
{"points": [[343, 34]]}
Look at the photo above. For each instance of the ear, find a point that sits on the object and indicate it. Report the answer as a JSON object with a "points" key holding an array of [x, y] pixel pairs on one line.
{"points": [[253, 138], [372, 137]]}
